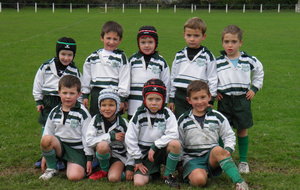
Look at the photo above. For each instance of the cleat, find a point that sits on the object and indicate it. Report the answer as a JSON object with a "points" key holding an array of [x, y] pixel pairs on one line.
{"points": [[172, 182], [244, 167], [49, 173], [98, 175], [241, 186]]}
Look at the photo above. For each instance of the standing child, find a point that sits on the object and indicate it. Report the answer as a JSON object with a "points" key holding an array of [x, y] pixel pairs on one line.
{"points": [[152, 136], [64, 134], [240, 77], [45, 86], [145, 64], [194, 62], [200, 129], [106, 134], [106, 68]]}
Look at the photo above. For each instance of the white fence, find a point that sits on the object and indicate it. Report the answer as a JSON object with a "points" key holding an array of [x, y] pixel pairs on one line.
{"points": [[140, 7]]}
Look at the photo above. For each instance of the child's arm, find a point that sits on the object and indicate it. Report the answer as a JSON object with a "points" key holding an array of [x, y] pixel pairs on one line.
{"points": [[37, 89], [86, 79], [166, 78], [124, 79], [174, 73], [227, 135], [212, 76], [257, 78]]}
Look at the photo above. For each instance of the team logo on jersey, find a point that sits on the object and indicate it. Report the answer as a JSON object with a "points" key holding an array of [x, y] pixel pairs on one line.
{"points": [[213, 127], [161, 125], [200, 62], [74, 123], [155, 69], [67, 46], [245, 67]]}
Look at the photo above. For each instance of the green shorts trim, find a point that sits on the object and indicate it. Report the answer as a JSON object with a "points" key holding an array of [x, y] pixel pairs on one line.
{"points": [[70, 154], [237, 109], [203, 163]]}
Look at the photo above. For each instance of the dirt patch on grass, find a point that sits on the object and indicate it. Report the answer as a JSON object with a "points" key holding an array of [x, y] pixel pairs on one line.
{"points": [[19, 170]]}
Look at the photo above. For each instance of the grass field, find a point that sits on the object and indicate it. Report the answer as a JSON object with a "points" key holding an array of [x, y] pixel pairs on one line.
{"points": [[27, 39]]}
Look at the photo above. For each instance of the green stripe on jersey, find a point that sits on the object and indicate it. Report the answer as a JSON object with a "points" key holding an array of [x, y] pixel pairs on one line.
{"points": [[104, 83]]}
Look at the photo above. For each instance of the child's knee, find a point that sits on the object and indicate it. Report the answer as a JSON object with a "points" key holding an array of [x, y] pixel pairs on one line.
{"points": [[114, 178], [75, 177], [198, 180], [174, 146], [102, 147], [46, 141]]}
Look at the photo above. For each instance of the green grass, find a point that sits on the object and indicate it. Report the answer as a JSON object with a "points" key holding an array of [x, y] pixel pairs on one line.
{"points": [[27, 39]]}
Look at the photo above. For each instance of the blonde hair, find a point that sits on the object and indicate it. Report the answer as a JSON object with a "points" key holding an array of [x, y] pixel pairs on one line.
{"points": [[233, 29], [195, 23]]}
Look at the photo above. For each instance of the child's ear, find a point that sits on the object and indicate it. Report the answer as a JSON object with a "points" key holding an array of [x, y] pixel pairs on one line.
{"points": [[188, 99]]}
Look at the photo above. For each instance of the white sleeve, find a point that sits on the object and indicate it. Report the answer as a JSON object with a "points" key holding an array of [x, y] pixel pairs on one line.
{"points": [[49, 127], [257, 74], [174, 73], [86, 77], [88, 150], [131, 140], [227, 135], [124, 78], [212, 77], [171, 132], [38, 84], [166, 78]]}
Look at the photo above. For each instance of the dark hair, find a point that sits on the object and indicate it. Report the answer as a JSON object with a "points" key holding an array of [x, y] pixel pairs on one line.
{"points": [[112, 26], [196, 86], [233, 29], [69, 81]]}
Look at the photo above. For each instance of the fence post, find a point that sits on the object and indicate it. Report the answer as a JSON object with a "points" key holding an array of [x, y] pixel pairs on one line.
{"points": [[35, 7], [0, 7], [192, 8], [18, 7], [261, 8], [88, 8], [140, 8], [71, 9], [226, 8], [174, 8], [53, 7], [208, 8], [278, 8], [123, 8], [105, 9], [157, 8], [244, 8], [195, 7]]}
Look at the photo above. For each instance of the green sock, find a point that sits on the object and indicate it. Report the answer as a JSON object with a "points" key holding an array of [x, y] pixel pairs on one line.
{"points": [[243, 148], [171, 164], [51, 159], [229, 167], [103, 161]]}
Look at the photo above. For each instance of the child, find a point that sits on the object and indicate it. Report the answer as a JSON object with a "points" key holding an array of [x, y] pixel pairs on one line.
{"points": [[106, 134], [145, 64], [45, 84], [152, 135], [64, 132], [191, 63], [106, 68], [199, 130], [240, 77]]}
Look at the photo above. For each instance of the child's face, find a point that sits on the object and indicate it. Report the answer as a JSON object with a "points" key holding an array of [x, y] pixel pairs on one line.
{"points": [[193, 37], [199, 101], [111, 41], [231, 45], [68, 97], [154, 102], [65, 57], [147, 45], [108, 108]]}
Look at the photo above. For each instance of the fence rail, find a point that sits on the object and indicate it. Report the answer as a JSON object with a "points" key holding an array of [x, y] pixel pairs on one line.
{"points": [[193, 7]]}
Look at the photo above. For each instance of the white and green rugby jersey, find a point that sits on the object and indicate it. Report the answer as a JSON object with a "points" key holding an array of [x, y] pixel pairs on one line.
{"points": [[157, 68], [73, 130], [198, 140], [248, 74], [46, 79], [147, 130], [106, 69], [202, 67], [97, 133]]}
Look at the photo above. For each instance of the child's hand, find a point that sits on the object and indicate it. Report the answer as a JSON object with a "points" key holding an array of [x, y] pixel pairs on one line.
{"points": [[85, 102], [129, 175], [89, 168], [151, 155], [39, 108], [141, 167], [120, 136], [250, 94], [172, 106], [219, 96]]}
